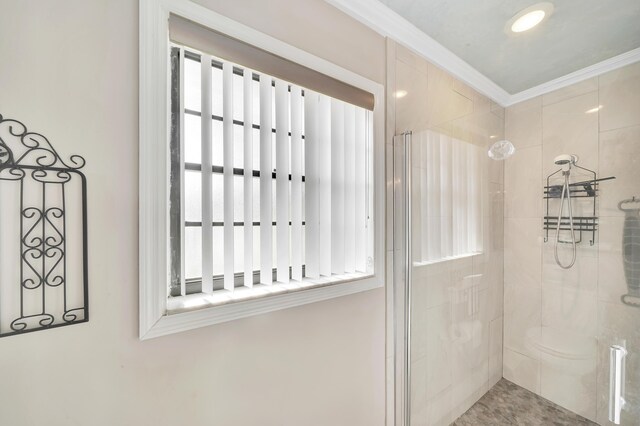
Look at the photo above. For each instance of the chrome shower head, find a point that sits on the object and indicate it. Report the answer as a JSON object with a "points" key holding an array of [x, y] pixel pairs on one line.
{"points": [[566, 161]]}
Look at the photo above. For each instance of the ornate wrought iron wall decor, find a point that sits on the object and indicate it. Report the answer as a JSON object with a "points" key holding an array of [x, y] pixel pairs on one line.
{"points": [[43, 234]]}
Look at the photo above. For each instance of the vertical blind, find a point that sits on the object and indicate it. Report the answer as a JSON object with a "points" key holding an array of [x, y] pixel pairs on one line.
{"points": [[446, 182], [259, 152]]}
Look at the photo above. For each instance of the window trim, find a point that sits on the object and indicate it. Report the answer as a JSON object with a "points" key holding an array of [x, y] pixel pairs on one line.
{"points": [[154, 162]]}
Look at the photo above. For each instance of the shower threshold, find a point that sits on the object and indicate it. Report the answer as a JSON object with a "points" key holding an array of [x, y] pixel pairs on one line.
{"points": [[509, 404]]}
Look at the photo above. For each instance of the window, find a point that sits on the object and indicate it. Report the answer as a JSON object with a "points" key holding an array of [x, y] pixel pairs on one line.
{"points": [[242, 181], [261, 173]]}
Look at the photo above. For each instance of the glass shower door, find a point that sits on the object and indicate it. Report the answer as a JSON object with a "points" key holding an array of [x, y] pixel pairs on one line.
{"points": [[448, 240]]}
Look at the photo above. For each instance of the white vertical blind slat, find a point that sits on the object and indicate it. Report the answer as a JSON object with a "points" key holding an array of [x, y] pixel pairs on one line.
{"points": [[360, 188], [455, 192], [266, 219], [416, 194], [227, 161], [446, 223], [325, 170], [473, 189], [470, 195], [369, 196], [282, 181], [462, 200], [247, 85], [425, 196], [432, 233], [311, 186], [349, 188], [296, 183], [207, 202], [337, 187]]}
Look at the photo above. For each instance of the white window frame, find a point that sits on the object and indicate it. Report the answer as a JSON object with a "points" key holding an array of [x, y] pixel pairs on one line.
{"points": [[155, 317]]}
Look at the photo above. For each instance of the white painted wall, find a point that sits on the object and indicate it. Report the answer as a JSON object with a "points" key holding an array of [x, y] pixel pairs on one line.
{"points": [[69, 69]]}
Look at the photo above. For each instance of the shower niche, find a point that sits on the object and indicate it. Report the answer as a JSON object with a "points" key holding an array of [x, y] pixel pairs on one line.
{"points": [[585, 190]]}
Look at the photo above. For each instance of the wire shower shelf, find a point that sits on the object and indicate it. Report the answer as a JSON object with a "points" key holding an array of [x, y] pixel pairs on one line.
{"points": [[588, 189]]}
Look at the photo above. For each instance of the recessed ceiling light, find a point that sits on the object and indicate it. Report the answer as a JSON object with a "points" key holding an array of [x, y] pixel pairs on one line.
{"points": [[528, 21], [529, 17], [400, 94]]}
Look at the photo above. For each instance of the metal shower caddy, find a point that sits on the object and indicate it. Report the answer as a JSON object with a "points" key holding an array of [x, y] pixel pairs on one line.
{"points": [[584, 189]]}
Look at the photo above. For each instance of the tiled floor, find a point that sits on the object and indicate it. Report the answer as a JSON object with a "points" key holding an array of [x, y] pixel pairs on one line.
{"points": [[509, 404]]}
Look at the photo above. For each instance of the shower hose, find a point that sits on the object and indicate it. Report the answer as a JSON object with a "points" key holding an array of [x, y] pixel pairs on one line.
{"points": [[565, 192]]}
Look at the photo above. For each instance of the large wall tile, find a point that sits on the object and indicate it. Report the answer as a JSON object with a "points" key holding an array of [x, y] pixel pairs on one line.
{"points": [[494, 218], [440, 348], [440, 409], [410, 58], [619, 157], [420, 326], [496, 170], [444, 105], [620, 98], [522, 252], [572, 91], [415, 84], [522, 370], [522, 319], [612, 282], [569, 309], [489, 267], [569, 129], [583, 276], [522, 183], [437, 277], [523, 123], [495, 350], [619, 323], [570, 383], [419, 401]]}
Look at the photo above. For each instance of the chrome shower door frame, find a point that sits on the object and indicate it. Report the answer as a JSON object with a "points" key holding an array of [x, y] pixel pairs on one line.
{"points": [[402, 269]]}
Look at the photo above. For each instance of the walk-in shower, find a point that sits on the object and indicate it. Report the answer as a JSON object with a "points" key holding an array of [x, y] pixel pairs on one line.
{"points": [[486, 297]]}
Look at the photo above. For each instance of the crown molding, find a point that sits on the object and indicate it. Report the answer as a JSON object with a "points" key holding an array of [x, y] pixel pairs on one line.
{"points": [[582, 74], [388, 23], [385, 21]]}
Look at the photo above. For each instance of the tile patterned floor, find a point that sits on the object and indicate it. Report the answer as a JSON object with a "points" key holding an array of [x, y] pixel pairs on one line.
{"points": [[508, 404]]}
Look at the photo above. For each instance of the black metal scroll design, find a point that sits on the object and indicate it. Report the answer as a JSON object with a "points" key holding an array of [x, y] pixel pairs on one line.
{"points": [[42, 293], [31, 148]]}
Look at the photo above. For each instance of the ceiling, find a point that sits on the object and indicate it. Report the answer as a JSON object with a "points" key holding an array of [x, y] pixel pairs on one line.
{"points": [[578, 34]]}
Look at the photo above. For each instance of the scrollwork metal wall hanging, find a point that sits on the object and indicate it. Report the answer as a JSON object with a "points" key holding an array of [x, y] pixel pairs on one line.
{"points": [[43, 234]]}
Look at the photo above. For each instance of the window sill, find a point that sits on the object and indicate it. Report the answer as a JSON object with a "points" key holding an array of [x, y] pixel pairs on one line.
{"points": [[191, 302], [445, 259], [199, 310]]}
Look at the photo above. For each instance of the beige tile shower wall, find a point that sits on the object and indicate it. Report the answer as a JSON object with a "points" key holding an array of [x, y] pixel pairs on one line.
{"points": [[457, 304], [558, 324]]}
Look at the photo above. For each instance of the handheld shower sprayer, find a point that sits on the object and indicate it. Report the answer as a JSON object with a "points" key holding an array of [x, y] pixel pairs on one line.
{"points": [[565, 161]]}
